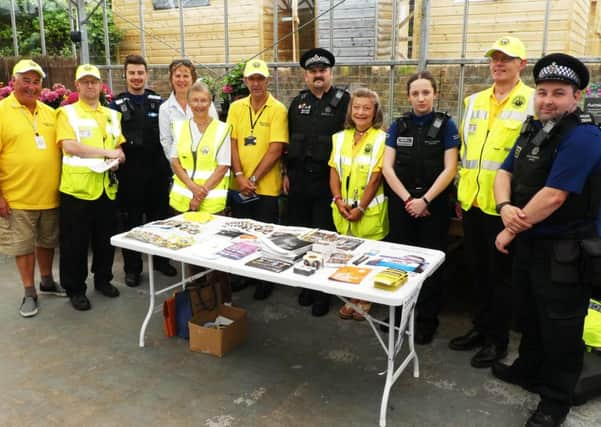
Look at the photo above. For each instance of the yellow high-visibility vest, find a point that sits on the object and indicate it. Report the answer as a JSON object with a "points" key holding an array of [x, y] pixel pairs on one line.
{"points": [[483, 150], [199, 163], [354, 173], [77, 178]]}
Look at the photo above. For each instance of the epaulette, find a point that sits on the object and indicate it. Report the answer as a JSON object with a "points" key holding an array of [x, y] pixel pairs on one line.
{"points": [[401, 123]]}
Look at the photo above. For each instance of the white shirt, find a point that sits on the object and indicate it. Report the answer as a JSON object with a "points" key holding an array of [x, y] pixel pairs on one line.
{"points": [[224, 155], [170, 111]]}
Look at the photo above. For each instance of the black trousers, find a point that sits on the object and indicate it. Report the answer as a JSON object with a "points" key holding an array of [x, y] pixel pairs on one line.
{"points": [[551, 316], [307, 210], [428, 232], [264, 209], [85, 222], [491, 274], [142, 200]]}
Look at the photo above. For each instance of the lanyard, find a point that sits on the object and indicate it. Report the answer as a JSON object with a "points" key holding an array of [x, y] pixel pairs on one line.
{"points": [[34, 125], [250, 115]]}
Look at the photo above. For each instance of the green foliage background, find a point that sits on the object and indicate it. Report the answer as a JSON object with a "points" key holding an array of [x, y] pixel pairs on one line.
{"points": [[57, 29]]}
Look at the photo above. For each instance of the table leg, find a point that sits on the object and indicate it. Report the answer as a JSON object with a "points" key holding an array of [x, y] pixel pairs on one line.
{"points": [[389, 366], [151, 305]]}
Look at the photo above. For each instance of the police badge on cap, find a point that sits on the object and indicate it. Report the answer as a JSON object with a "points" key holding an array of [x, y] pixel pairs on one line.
{"points": [[563, 68], [317, 57]]}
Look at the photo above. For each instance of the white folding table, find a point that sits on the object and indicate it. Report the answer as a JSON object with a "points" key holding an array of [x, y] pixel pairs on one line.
{"points": [[203, 254]]}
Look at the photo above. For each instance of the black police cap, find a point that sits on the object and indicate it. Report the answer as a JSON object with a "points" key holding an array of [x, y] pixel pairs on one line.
{"points": [[317, 57], [563, 68]]}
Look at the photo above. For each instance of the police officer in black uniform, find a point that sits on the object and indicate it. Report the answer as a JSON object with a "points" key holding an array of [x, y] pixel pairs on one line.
{"points": [[547, 192], [143, 193], [420, 162], [313, 117]]}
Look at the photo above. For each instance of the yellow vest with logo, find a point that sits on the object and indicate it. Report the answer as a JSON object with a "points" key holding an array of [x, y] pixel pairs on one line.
{"points": [[592, 325], [355, 173], [483, 151], [77, 178], [199, 164]]}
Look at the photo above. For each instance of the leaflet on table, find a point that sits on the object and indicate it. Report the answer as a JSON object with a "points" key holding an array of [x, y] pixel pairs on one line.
{"points": [[269, 264], [171, 240], [323, 237], [238, 250], [410, 263], [350, 274]]}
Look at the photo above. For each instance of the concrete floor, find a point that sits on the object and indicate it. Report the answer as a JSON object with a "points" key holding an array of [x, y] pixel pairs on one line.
{"points": [[70, 368]]}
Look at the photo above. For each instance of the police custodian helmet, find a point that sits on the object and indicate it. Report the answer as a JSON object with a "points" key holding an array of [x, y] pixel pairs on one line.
{"points": [[563, 68], [317, 57]]}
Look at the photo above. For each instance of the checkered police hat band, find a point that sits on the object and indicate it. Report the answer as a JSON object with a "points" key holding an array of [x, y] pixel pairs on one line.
{"points": [[559, 72], [317, 59]]}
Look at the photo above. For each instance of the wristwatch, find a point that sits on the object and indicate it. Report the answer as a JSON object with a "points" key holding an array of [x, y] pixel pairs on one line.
{"points": [[253, 179]]}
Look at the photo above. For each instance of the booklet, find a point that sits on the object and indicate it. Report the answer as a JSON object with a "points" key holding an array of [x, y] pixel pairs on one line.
{"points": [[269, 264], [350, 274], [238, 250]]}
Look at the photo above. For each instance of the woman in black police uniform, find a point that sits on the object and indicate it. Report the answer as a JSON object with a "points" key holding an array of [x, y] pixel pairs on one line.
{"points": [[420, 161]]}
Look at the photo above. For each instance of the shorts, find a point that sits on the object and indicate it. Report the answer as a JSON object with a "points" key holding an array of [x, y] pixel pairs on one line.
{"points": [[24, 230]]}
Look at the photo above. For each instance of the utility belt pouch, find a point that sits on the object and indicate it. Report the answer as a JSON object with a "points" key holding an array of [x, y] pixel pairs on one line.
{"points": [[565, 261], [591, 250]]}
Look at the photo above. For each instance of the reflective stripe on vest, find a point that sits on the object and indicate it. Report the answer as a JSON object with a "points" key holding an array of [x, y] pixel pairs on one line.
{"points": [[77, 178], [181, 195], [374, 222], [484, 149]]}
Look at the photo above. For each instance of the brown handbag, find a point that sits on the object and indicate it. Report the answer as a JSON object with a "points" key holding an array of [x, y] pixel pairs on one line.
{"points": [[169, 316]]}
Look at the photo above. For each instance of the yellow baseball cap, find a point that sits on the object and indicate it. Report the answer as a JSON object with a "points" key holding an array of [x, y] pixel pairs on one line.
{"points": [[510, 46], [256, 66], [25, 65], [87, 70]]}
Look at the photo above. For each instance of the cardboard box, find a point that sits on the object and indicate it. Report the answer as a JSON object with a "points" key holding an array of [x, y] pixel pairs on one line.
{"points": [[218, 341]]}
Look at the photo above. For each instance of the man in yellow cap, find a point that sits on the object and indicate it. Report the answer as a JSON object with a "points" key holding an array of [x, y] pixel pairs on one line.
{"points": [[490, 125], [29, 177], [90, 136], [259, 131]]}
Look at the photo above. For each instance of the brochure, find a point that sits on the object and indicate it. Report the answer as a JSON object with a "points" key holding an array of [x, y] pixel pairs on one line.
{"points": [[350, 274], [238, 250], [269, 264]]}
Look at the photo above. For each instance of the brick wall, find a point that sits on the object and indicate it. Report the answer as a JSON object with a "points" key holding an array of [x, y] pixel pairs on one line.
{"points": [[290, 82]]}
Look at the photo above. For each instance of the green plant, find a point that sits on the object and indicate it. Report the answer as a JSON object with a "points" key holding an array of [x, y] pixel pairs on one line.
{"points": [[233, 84], [56, 30]]}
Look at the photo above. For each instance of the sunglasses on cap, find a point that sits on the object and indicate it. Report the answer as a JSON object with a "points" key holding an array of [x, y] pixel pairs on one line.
{"points": [[176, 63]]}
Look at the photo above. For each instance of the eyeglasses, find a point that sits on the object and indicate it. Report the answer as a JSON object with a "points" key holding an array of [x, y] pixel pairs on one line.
{"points": [[502, 58]]}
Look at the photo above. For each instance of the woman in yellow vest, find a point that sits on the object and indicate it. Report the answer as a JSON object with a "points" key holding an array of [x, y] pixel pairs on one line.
{"points": [[200, 157], [359, 207]]}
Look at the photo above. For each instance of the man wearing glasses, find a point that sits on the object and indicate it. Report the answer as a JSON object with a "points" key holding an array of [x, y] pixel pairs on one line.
{"points": [[490, 125], [90, 136], [259, 131]]}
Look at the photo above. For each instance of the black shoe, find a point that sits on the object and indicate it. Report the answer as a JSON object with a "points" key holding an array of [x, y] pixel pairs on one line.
{"points": [[305, 298], [107, 289], [165, 268], [263, 290], [238, 283], [321, 305], [510, 374], [80, 302], [132, 279], [423, 336], [542, 419], [487, 355], [473, 339]]}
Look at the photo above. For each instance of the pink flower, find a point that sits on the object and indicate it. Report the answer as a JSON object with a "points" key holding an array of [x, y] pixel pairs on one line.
{"points": [[227, 89], [60, 89], [5, 91], [71, 99]]}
